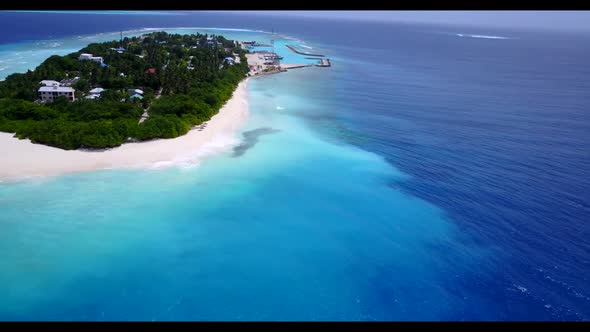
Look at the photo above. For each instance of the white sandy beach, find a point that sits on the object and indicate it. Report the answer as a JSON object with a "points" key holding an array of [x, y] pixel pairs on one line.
{"points": [[23, 159]]}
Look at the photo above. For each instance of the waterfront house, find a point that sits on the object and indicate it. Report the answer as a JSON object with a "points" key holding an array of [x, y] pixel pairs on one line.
{"points": [[51, 93], [90, 57]]}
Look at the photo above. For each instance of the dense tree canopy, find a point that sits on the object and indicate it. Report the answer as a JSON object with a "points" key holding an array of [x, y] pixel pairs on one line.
{"points": [[189, 70]]}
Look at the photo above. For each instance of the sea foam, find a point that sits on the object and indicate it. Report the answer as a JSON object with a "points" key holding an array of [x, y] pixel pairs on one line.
{"points": [[481, 36]]}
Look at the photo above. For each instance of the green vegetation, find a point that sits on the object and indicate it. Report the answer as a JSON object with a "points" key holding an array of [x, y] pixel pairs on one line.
{"points": [[189, 71]]}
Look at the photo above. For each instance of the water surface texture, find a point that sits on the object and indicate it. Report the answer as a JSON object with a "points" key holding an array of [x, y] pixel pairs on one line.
{"points": [[432, 173]]}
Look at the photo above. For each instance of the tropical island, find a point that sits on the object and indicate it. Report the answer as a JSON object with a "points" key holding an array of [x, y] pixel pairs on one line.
{"points": [[157, 85]]}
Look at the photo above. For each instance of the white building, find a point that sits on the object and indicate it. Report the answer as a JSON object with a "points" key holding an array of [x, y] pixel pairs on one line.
{"points": [[88, 56], [85, 56], [50, 93], [135, 92], [49, 83], [94, 93], [97, 59]]}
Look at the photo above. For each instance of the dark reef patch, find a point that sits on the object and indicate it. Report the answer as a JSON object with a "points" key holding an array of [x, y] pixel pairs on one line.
{"points": [[250, 139]]}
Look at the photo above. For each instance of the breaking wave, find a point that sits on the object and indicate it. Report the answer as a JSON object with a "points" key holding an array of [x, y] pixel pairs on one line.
{"points": [[481, 36]]}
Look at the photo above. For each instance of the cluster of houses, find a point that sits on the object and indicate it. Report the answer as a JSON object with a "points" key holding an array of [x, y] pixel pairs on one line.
{"points": [[50, 90], [211, 42], [135, 94]]}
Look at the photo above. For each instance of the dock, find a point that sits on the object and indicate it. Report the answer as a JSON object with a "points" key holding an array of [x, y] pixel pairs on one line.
{"points": [[324, 63], [301, 52]]}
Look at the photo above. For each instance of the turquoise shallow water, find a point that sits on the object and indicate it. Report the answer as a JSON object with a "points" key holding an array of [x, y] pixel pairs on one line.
{"points": [[290, 224], [470, 205]]}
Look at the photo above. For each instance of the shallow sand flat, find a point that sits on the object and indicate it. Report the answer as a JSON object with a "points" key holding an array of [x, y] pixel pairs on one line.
{"points": [[23, 159]]}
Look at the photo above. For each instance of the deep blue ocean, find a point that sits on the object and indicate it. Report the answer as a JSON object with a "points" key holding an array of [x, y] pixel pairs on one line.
{"points": [[432, 173]]}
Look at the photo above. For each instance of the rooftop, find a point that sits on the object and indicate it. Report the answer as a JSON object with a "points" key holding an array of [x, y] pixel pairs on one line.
{"points": [[56, 89], [96, 90], [49, 82]]}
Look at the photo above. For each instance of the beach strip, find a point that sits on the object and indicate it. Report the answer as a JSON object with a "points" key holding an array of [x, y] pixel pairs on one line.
{"points": [[22, 159]]}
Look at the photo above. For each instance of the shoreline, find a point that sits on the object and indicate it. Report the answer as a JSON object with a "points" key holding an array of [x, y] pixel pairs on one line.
{"points": [[256, 61], [27, 160]]}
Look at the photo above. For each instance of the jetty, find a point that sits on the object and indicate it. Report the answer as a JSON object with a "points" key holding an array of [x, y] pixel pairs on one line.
{"points": [[302, 52], [294, 66], [324, 63]]}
